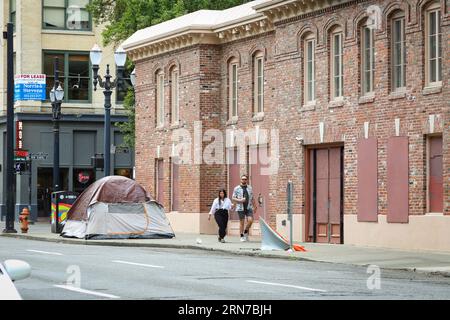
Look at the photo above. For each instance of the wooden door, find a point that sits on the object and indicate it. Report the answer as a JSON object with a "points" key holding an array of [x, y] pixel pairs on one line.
{"points": [[160, 181], [234, 178], [259, 178], [326, 213], [175, 185]]}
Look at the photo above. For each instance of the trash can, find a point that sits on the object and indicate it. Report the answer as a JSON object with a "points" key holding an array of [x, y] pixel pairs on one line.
{"points": [[62, 201]]}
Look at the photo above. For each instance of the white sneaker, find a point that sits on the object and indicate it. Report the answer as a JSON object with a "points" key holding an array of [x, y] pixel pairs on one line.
{"points": [[246, 237], [243, 239]]}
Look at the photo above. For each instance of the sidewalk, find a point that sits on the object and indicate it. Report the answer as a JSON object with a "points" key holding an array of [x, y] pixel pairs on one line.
{"points": [[423, 261]]}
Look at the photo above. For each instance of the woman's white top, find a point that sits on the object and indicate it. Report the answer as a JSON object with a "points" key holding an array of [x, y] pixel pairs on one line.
{"points": [[226, 205]]}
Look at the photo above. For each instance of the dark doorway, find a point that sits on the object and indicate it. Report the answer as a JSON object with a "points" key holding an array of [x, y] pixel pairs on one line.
{"points": [[435, 175], [326, 195], [45, 189]]}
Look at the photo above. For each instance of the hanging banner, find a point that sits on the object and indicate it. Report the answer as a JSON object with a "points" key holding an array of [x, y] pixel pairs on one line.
{"points": [[30, 87]]}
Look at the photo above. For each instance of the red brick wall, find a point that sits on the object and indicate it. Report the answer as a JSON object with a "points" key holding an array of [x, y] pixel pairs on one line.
{"points": [[203, 97]]}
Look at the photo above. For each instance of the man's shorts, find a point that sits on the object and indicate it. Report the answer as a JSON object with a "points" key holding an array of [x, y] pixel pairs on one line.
{"points": [[242, 214]]}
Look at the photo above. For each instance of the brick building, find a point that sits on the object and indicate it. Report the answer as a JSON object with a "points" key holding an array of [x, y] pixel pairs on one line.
{"points": [[348, 99]]}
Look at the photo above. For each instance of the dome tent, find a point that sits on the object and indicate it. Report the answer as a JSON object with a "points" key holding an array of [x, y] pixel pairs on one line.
{"points": [[116, 208]]}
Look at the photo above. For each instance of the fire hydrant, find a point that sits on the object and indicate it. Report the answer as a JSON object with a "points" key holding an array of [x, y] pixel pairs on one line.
{"points": [[23, 219]]}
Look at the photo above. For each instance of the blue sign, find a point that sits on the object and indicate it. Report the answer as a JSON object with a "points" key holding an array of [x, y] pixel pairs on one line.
{"points": [[30, 87]]}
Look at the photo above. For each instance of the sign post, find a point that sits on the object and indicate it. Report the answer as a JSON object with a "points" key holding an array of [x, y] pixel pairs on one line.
{"points": [[289, 211]]}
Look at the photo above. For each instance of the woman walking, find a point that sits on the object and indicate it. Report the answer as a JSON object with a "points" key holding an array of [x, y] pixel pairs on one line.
{"points": [[219, 209]]}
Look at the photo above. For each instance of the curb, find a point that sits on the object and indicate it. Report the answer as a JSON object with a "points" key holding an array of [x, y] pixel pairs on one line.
{"points": [[254, 253]]}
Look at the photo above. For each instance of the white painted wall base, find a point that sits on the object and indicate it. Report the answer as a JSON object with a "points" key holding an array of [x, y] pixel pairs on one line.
{"points": [[196, 223], [233, 228], [428, 232], [297, 227]]}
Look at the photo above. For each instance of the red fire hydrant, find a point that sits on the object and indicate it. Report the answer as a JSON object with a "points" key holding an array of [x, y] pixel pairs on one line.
{"points": [[23, 219]]}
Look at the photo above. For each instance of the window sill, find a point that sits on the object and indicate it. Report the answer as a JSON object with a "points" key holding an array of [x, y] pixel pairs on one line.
{"points": [[258, 117], [432, 89], [399, 94], [336, 103], [232, 121], [310, 106], [369, 98], [71, 32], [160, 129], [175, 126]]}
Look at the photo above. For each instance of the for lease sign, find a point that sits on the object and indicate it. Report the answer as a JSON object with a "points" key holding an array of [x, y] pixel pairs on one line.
{"points": [[29, 87]]}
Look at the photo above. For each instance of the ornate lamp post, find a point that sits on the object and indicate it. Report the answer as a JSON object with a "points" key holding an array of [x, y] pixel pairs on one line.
{"points": [[56, 97], [107, 85]]}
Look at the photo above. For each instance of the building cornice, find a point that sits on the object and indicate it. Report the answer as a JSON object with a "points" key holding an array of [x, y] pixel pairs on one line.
{"points": [[279, 10], [266, 15]]}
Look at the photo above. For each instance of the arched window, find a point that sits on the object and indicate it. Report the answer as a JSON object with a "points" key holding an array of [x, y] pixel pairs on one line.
{"points": [[233, 64], [398, 51], [433, 44], [309, 68], [258, 82], [159, 98], [337, 63], [367, 44], [174, 96]]}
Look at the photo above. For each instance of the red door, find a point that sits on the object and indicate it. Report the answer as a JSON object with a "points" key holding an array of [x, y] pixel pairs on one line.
{"points": [[326, 212], [436, 187], [160, 181], [259, 178], [234, 178], [175, 184]]}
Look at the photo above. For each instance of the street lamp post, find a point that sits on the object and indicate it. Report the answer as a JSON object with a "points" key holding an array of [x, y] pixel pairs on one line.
{"points": [[56, 97], [108, 84]]}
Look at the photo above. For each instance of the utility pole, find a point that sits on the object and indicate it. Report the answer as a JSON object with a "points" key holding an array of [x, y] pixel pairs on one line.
{"points": [[9, 165]]}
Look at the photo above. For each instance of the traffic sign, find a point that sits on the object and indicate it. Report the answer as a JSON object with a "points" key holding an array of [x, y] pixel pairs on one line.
{"points": [[38, 156]]}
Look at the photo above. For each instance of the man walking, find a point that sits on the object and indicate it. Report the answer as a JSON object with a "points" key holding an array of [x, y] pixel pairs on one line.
{"points": [[245, 206]]}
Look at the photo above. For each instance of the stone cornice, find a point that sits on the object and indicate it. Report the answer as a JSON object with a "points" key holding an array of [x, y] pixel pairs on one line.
{"points": [[279, 10], [266, 17], [258, 25]]}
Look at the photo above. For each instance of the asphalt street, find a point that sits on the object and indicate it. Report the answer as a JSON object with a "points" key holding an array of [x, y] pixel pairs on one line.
{"points": [[76, 272]]}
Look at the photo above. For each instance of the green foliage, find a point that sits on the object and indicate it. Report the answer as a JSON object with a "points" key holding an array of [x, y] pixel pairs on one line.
{"points": [[128, 128], [122, 18]]}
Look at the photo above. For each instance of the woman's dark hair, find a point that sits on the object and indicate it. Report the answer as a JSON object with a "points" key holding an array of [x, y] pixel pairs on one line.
{"points": [[224, 195]]}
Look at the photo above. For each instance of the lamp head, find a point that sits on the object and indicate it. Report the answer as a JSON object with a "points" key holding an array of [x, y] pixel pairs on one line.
{"points": [[133, 77], [59, 94], [96, 55], [120, 56], [52, 95]]}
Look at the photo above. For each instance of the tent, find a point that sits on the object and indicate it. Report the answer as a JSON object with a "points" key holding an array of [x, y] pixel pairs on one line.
{"points": [[116, 208]]}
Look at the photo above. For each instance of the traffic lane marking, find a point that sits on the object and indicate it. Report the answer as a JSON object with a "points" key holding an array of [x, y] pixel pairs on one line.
{"points": [[286, 285], [46, 252], [84, 291], [138, 264]]}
